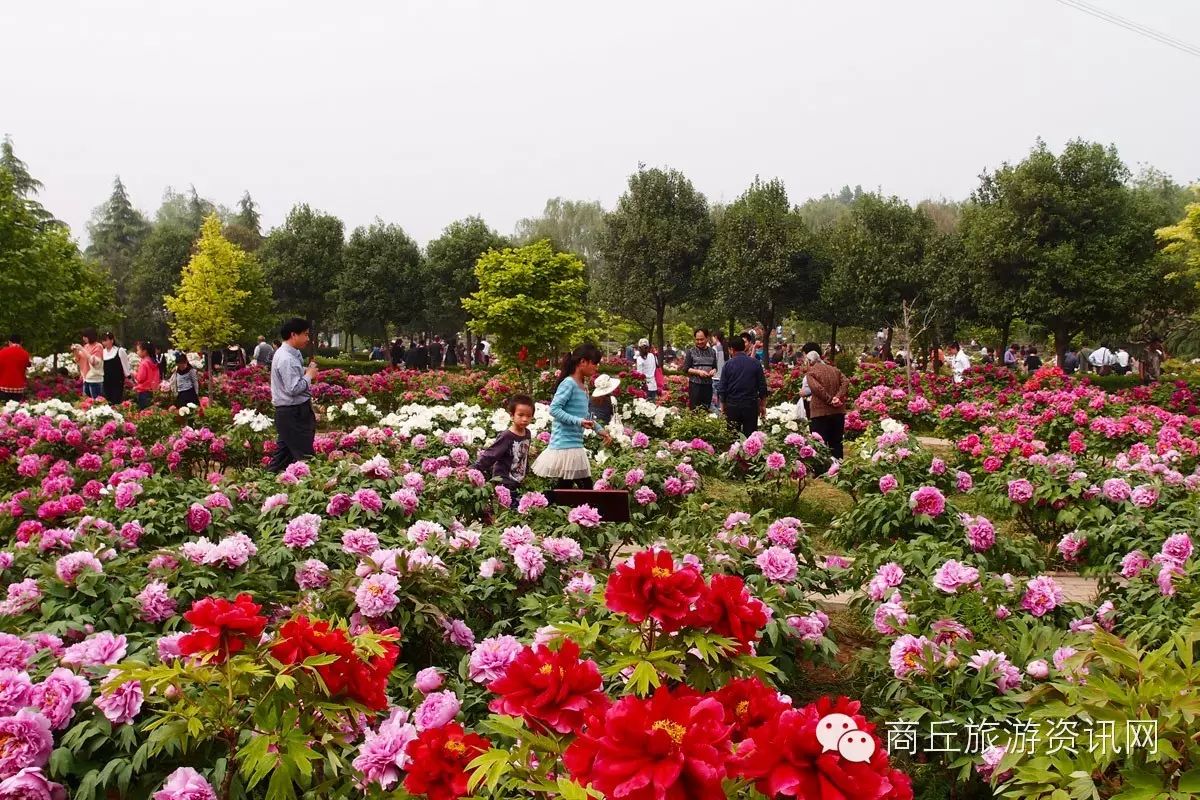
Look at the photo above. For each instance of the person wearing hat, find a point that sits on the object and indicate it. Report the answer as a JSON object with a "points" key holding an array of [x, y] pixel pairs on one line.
{"points": [[601, 404], [646, 365]]}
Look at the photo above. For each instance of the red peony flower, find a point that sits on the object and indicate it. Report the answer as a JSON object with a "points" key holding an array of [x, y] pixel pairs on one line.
{"points": [[652, 587], [749, 704], [362, 680], [672, 746], [550, 689], [728, 609], [221, 626], [784, 757], [439, 760]]}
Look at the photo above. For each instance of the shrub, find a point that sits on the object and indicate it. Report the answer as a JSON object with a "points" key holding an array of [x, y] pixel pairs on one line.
{"points": [[714, 430]]}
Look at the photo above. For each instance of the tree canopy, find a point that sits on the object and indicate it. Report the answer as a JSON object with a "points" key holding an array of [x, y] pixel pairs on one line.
{"points": [[450, 276], [303, 259], [380, 282]]}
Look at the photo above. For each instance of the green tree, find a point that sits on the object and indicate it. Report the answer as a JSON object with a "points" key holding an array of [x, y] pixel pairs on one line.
{"points": [[529, 297], [303, 259], [1071, 232], [879, 255], [380, 282], [655, 240], [761, 257], [243, 228], [25, 185], [207, 303], [49, 291], [450, 271], [117, 231], [828, 209], [575, 226]]}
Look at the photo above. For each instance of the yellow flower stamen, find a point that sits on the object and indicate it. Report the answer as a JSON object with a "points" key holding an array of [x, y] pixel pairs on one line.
{"points": [[673, 729], [456, 747], [660, 572]]}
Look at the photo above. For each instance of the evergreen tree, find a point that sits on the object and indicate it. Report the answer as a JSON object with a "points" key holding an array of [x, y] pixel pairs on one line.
{"points": [[25, 186], [243, 228], [117, 231]]}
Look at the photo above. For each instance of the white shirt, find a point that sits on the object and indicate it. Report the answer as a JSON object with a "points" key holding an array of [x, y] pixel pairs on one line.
{"points": [[1122, 358], [1102, 357], [646, 366], [487, 347], [960, 363]]}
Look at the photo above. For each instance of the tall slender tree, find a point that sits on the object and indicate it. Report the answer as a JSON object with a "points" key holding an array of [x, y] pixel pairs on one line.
{"points": [[244, 227], [450, 271], [117, 231]]}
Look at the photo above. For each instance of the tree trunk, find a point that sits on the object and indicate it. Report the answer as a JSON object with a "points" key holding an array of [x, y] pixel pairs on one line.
{"points": [[732, 329], [887, 345], [833, 326], [1005, 332], [768, 333], [1062, 338], [660, 311]]}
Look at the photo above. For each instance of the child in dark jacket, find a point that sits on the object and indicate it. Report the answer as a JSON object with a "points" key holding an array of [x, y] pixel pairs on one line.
{"points": [[508, 457]]}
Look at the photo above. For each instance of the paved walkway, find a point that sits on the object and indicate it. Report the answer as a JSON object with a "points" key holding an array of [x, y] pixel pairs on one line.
{"points": [[1076, 589]]}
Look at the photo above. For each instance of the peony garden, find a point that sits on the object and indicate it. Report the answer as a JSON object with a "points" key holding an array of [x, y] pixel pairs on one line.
{"points": [[382, 621]]}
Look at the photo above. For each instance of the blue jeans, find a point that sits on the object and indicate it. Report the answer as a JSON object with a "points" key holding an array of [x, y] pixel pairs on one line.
{"points": [[93, 390], [716, 401]]}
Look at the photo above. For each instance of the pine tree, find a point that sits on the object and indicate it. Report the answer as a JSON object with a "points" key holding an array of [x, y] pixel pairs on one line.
{"points": [[117, 231], [25, 186], [244, 227]]}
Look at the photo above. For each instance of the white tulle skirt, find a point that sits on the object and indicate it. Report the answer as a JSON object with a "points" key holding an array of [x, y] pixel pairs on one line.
{"points": [[569, 464]]}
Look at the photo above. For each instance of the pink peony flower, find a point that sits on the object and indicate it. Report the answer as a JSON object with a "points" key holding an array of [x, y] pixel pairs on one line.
{"points": [[1070, 546], [777, 564], [376, 595], [953, 575], [428, 680], [911, 654], [99, 649], [458, 633], [776, 462], [888, 576], [927, 501], [122, 704], [360, 541], [581, 583], [71, 566], [980, 533], [27, 742], [1144, 496], [1020, 491], [382, 758], [273, 502], [1038, 670], [198, 518], [811, 627], [156, 603], [491, 657], [888, 483], [312, 574], [31, 783], [15, 688], [436, 710], [1042, 595], [489, 567], [963, 481], [645, 496], [1178, 547], [1166, 575], [185, 784], [530, 501], [562, 548], [584, 516], [530, 561], [1116, 490], [57, 696], [302, 532], [1133, 563], [368, 500]]}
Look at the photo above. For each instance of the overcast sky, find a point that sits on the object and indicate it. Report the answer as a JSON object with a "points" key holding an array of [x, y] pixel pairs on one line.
{"points": [[425, 112]]}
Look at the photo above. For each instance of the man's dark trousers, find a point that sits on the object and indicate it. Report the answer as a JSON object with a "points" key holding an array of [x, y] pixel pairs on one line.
{"points": [[742, 418], [297, 427]]}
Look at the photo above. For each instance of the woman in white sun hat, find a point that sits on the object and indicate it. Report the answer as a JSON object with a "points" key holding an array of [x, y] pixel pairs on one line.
{"points": [[601, 408], [646, 365]]}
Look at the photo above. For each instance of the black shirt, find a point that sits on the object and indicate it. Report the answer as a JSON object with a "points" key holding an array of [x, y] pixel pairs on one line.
{"points": [[743, 382], [700, 359], [506, 459]]}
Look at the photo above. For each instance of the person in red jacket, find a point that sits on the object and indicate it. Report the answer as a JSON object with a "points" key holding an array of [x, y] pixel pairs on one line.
{"points": [[14, 361], [147, 377]]}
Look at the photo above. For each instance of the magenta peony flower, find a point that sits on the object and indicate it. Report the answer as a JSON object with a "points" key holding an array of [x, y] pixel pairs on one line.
{"points": [[27, 742], [360, 541], [15, 688], [1116, 490], [777, 564], [911, 654], [1042, 595], [888, 483], [1020, 491], [1166, 575], [1144, 496], [302, 532], [963, 481], [645, 496], [784, 532], [338, 504], [776, 461], [811, 627], [562, 549], [953, 575], [584, 516], [156, 604], [530, 501], [185, 784], [198, 518], [1177, 547], [980, 532], [1070, 546], [1133, 563], [888, 576], [428, 680], [368, 500], [927, 501], [15, 652], [459, 633], [491, 657], [436, 710], [122, 704]]}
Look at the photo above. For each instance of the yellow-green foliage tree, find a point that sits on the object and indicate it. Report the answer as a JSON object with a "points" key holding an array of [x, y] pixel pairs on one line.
{"points": [[1183, 239], [529, 297], [207, 303]]}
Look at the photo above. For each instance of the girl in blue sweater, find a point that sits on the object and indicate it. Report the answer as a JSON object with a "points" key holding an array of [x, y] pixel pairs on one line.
{"points": [[565, 458]]}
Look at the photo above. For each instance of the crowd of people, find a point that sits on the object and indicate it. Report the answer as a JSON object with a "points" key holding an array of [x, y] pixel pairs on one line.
{"points": [[424, 353]]}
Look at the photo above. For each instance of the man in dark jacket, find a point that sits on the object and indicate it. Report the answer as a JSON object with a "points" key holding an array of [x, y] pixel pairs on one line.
{"points": [[743, 389]]}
